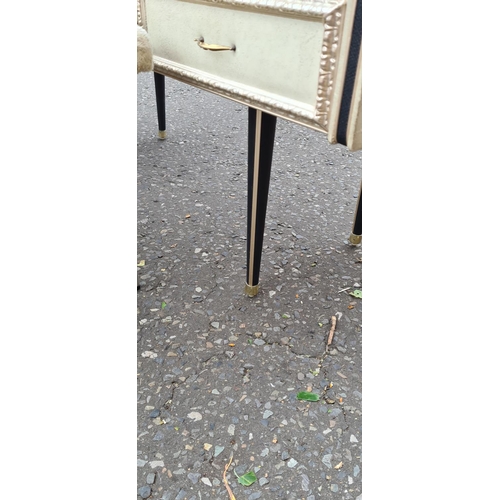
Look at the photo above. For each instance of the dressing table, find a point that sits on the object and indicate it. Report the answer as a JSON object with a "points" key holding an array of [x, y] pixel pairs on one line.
{"points": [[299, 60]]}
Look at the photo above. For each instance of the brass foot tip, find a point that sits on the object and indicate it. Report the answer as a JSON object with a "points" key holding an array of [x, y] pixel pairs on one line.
{"points": [[251, 290], [355, 239], [162, 134]]}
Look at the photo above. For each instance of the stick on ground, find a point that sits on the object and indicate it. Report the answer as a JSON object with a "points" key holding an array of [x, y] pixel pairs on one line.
{"points": [[332, 330], [231, 496]]}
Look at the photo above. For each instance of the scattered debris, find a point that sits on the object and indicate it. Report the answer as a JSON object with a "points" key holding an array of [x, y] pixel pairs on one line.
{"points": [[231, 496], [307, 396], [247, 479], [332, 330]]}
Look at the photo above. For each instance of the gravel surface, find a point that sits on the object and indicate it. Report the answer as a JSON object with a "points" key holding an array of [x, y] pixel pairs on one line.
{"points": [[218, 372]]}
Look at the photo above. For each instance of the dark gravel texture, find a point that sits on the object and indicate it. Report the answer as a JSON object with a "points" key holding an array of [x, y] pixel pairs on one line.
{"points": [[218, 372]]}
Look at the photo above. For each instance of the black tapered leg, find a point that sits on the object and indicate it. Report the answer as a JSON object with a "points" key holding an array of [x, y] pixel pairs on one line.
{"points": [[160, 105], [355, 237], [261, 131]]}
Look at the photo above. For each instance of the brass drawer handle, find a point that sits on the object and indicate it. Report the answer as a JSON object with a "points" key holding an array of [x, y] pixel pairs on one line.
{"points": [[212, 46]]}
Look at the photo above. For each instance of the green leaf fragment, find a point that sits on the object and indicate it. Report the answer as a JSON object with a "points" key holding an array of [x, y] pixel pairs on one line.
{"points": [[247, 479], [163, 305], [307, 396], [356, 293]]}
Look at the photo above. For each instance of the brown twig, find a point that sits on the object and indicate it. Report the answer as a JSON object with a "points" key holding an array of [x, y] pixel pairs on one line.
{"points": [[231, 496], [332, 330]]}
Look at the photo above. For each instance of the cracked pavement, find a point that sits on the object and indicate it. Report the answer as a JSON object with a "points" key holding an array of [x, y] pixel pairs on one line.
{"points": [[218, 372]]}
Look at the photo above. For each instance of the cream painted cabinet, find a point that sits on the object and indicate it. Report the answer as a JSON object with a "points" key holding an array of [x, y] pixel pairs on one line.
{"points": [[288, 58]]}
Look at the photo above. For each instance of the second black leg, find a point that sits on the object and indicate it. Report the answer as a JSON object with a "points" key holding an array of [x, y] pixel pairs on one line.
{"points": [[261, 131], [355, 237], [160, 105]]}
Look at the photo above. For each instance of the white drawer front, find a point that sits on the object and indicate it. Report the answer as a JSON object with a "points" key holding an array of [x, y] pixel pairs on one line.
{"points": [[286, 58]]}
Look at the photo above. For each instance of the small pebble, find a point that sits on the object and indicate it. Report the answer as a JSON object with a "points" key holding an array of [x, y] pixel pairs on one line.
{"points": [[305, 482], [267, 414], [292, 462], [156, 463], [150, 478], [144, 491], [182, 494], [327, 460], [218, 450], [194, 477]]}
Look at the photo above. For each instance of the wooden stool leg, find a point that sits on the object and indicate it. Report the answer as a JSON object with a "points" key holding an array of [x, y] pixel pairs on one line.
{"points": [[355, 238], [261, 131], [160, 105]]}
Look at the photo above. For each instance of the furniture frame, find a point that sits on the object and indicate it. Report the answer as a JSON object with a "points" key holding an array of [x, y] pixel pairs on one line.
{"points": [[299, 60]]}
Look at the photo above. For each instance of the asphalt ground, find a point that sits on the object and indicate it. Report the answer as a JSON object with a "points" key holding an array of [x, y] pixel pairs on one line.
{"points": [[219, 372]]}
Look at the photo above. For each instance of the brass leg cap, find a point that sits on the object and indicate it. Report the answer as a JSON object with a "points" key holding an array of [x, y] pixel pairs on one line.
{"points": [[252, 290], [162, 134], [355, 239]]}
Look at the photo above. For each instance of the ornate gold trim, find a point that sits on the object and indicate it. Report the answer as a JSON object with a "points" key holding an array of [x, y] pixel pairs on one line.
{"points": [[238, 94], [141, 14], [328, 65], [302, 8]]}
